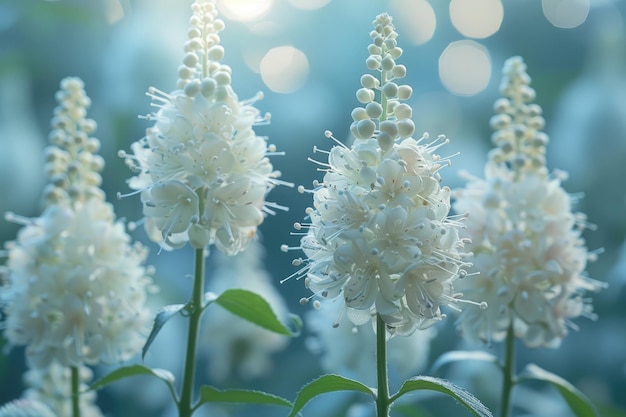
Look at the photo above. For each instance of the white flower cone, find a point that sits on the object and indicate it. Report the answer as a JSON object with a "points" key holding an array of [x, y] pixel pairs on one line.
{"points": [[527, 242], [379, 235], [26, 408], [202, 171], [51, 385], [76, 286]]}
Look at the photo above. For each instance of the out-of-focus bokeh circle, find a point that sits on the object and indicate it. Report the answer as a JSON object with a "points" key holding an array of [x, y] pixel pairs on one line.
{"points": [[476, 18], [566, 14], [284, 69], [244, 10], [465, 68], [309, 4], [416, 18]]}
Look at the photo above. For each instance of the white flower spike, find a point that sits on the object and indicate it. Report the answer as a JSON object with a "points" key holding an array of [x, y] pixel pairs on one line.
{"points": [[26, 408], [379, 234], [527, 243], [75, 285], [52, 385], [202, 172]]}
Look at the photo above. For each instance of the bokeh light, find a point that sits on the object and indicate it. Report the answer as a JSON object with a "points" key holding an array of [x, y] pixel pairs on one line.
{"points": [[284, 69], [243, 10], [476, 18], [309, 4], [114, 11], [566, 14], [416, 18], [465, 68]]}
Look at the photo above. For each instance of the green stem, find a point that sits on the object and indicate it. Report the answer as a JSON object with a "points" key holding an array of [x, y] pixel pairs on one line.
{"points": [[383, 98], [383, 402], [195, 308], [75, 381], [508, 372]]}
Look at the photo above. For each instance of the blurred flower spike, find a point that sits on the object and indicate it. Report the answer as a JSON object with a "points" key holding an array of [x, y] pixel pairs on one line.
{"points": [[26, 408], [202, 172], [75, 285], [379, 234], [527, 243]]}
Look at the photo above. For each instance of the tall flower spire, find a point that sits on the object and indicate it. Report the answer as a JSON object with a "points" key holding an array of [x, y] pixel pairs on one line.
{"points": [[202, 172], [379, 234], [527, 243], [75, 285]]}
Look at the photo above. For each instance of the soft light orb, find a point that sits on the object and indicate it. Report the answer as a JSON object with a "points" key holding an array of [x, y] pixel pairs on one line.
{"points": [[243, 10], [284, 69], [309, 4], [465, 68], [476, 18], [566, 14], [417, 19]]}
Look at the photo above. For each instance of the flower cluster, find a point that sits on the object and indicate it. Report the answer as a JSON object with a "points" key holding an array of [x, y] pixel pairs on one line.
{"points": [[51, 386], [379, 233], [202, 172], [26, 408], [242, 348], [75, 285], [526, 240]]}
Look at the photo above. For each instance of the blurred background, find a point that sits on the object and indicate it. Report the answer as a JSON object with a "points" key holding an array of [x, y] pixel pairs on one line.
{"points": [[307, 56]]}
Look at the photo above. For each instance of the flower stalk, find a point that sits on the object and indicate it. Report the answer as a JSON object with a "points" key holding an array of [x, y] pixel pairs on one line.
{"points": [[508, 372], [382, 398], [75, 391], [195, 309]]}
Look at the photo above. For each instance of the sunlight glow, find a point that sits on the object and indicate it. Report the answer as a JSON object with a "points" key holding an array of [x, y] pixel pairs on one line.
{"points": [[284, 69], [566, 14], [244, 10], [416, 18], [309, 4], [114, 11], [465, 68], [476, 18]]}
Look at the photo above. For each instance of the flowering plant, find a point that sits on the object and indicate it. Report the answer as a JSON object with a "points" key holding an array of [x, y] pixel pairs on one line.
{"points": [[379, 235], [76, 287], [203, 174], [528, 250], [382, 256]]}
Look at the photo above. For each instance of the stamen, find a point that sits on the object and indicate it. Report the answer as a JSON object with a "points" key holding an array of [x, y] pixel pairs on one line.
{"points": [[11, 217]]}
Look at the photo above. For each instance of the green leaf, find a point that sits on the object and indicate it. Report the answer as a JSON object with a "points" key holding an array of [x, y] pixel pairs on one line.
{"points": [[411, 410], [252, 307], [446, 387], [160, 319], [577, 401], [326, 384], [463, 355], [610, 410], [133, 370], [212, 395]]}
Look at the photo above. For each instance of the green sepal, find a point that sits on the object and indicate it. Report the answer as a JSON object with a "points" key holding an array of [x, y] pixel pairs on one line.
{"points": [[446, 387], [326, 384]]}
